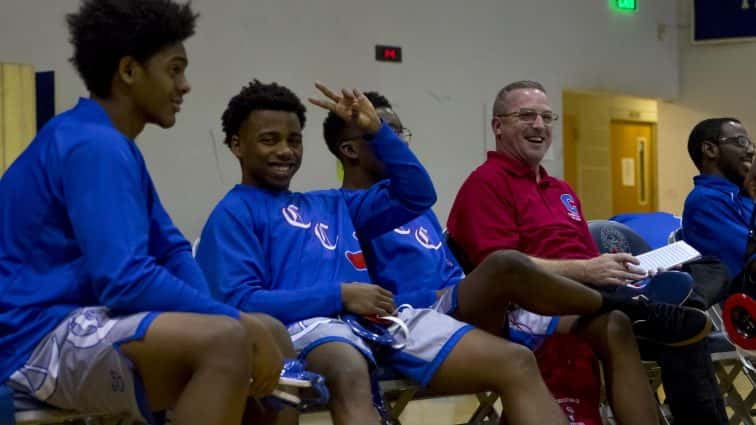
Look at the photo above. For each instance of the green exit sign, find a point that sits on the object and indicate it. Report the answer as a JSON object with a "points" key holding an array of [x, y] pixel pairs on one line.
{"points": [[626, 4]]}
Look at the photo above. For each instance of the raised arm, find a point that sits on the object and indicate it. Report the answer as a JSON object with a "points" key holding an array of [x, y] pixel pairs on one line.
{"points": [[408, 190], [406, 194]]}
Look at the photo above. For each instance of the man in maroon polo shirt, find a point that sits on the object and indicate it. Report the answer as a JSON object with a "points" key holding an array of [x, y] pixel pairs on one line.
{"points": [[510, 202]]}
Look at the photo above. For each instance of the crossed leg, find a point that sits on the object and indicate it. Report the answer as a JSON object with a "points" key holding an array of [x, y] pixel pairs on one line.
{"points": [[509, 277]]}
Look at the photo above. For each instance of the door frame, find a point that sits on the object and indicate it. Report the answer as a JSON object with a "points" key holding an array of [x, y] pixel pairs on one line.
{"points": [[653, 171]]}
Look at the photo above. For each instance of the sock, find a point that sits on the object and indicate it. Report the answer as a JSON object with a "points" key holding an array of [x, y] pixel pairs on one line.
{"points": [[622, 302], [612, 301]]}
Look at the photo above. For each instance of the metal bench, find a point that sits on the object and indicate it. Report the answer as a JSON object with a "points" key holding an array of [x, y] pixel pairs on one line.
{"points": [[26, 411]]}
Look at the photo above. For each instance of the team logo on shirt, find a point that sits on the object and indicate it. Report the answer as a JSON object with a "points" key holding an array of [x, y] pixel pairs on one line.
{"points": [[569, 203], [421, 234], [403, 230], [89, 327], [357, 259], [291, 214], [321, 231]]}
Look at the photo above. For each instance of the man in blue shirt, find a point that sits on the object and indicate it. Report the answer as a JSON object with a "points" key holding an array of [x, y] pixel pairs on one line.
{"points": [[415, 263], [102, 307], [718, 210], [297, 257]]}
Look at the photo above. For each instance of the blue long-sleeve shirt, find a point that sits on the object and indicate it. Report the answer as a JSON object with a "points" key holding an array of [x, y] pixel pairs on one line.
{"points": [[716, 218], [287, 253], [413, 261], [82, 225]]}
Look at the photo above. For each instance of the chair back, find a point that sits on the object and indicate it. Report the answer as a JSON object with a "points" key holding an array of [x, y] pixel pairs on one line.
{"points": [[612, 237], [462, 259], [675, 236], [653, 227], [7, 411]]}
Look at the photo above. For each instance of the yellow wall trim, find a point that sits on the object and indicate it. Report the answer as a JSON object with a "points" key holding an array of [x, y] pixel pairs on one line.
{"points": [[18, 121]]}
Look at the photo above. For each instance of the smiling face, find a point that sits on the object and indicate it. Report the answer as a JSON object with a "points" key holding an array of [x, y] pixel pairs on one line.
{"points": [[159, 85], [734, 160], [269, 146], [525, 141]]}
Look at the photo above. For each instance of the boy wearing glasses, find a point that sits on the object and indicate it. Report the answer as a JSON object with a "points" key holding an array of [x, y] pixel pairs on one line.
{"points": [[718, 210], [510, 202]]}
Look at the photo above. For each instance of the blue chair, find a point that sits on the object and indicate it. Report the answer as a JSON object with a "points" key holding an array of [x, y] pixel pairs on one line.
{"points": [[462, 259], [653, 227]]}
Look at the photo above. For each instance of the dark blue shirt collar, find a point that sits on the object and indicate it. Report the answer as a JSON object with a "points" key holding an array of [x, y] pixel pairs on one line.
{"points": [[716, 182]]}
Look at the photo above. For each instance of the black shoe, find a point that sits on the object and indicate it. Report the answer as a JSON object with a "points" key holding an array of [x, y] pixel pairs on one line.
{"points": [[667, 324]]}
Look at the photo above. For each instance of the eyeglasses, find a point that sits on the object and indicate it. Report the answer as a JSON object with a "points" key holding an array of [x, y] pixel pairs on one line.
{"points": [[403, 132], [741, 141], [530, 115]]}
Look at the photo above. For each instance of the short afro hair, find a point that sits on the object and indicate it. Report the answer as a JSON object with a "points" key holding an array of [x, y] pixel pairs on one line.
{"points": [[334, 125], [104, 31], [257, 96], [708, 129]]}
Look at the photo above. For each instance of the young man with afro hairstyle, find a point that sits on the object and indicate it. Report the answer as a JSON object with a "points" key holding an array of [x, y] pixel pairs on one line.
{"points": [[102, 307]]}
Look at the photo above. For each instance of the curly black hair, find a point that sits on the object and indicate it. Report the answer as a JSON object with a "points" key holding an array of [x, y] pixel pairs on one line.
{"points": [[104, 31], [708, 129], [259, 96], [333, 125]]}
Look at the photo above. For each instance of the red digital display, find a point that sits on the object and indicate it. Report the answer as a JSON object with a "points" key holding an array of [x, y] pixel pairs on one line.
{"points": [[388, 53]]}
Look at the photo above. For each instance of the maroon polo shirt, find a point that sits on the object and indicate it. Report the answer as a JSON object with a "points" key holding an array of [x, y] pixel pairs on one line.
{"points": [[500, 206]]}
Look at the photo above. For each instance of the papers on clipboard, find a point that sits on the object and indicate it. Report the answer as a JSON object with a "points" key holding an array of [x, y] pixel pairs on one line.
{"points": [[667, 256]]}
